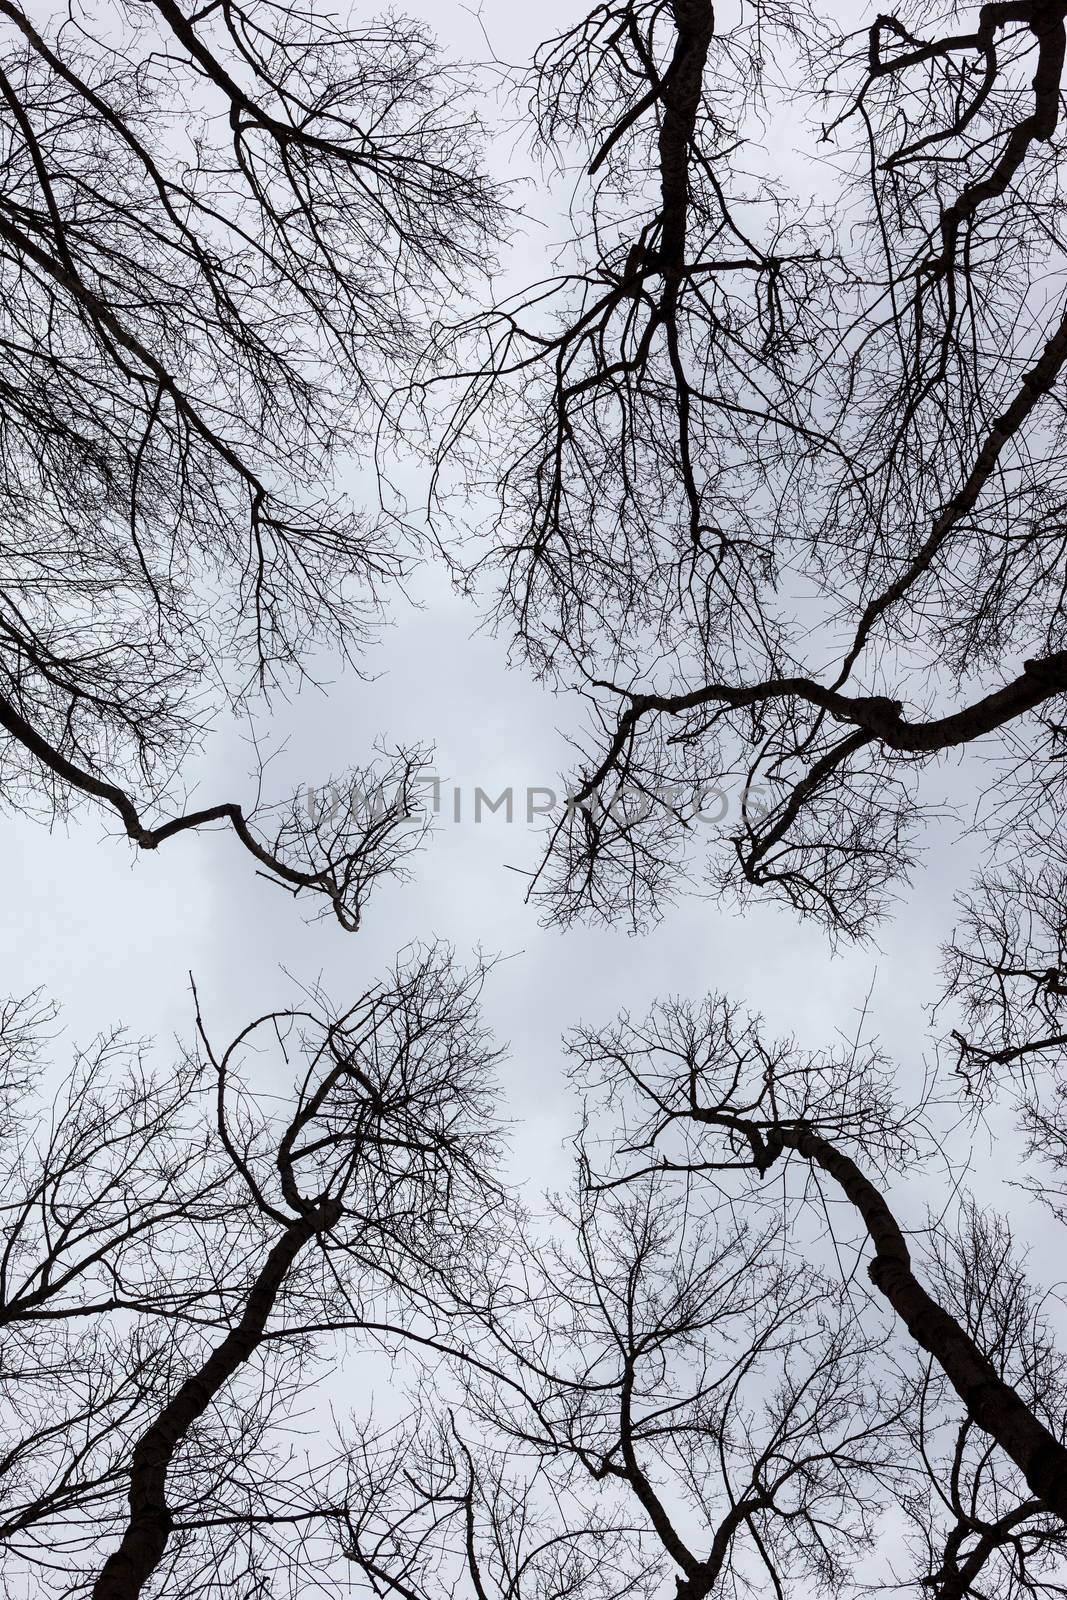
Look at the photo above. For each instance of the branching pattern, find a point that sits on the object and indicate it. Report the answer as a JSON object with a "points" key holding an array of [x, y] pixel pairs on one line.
{"points": [[786, 494], [221, 229]]}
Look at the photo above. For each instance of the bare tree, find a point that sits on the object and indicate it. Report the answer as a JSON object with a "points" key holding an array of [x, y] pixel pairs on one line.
{"points": [[707, 1098], [108, 1201], [177, 1252], [681, 1376], [663, 1400], [785, 499], [220, 229], [978, 1528], [781, 494], [785, 508]]}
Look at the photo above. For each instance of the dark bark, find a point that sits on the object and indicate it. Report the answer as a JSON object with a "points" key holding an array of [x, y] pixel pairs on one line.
{"points": [[993, 1404], [955, 1580], [879, 717], [695, 21], [1035, 385], [129, 1568], [701, 1579]]}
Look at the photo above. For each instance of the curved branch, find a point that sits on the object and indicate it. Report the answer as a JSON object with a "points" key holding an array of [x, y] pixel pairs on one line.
{"points": [[151, 838], [880, 717]]}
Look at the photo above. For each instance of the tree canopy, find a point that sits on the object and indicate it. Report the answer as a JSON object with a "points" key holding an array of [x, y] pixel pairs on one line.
{"points": [[765, 474], [220, 231]]}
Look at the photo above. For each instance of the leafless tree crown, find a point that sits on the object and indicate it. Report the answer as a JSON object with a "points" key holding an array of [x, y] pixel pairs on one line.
{"points": [[776, 485], [781, 488], [221, 229]]}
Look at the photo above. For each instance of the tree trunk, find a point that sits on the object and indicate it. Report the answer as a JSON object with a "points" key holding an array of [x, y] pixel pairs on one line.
{"points": [[991, 1403], [128, 1569]]}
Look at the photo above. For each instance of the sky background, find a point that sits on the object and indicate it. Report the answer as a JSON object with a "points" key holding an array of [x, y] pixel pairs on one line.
{"points": [[113, 935]]}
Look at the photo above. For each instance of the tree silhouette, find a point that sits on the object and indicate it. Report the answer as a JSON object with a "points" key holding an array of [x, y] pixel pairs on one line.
{"points": [[693, 1383], [777, 486], [179, 1246], [220, 229], [784, 501]]}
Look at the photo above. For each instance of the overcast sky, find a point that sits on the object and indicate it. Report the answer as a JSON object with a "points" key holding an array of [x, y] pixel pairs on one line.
{"points": [[112, 935]]}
